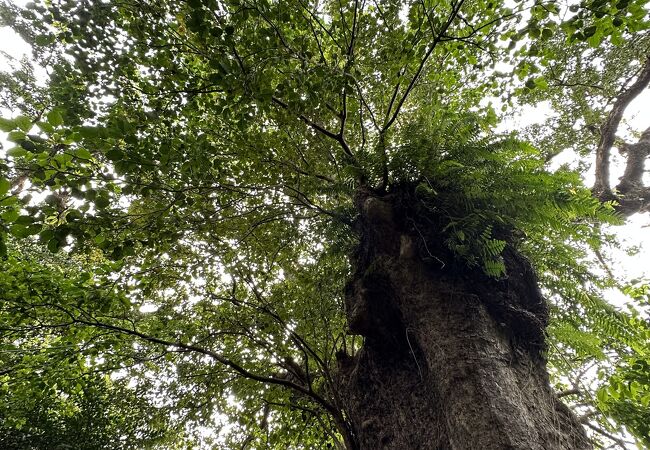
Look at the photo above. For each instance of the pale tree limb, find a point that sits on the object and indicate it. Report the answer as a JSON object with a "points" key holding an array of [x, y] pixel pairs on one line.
{"points": [[631, 195], [617, 440], [636, 154], [608, 131]]}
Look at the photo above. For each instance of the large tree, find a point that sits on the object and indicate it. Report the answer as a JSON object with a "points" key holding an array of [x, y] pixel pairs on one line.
{"points": [[292, 224]]}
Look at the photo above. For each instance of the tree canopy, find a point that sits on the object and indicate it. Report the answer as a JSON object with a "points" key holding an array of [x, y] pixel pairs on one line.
{"points": [[177, 206]]}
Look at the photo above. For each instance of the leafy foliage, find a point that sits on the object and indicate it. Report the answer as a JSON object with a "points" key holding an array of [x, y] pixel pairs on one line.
{"points": [[485, 187], [53, 393], [176, 206]]}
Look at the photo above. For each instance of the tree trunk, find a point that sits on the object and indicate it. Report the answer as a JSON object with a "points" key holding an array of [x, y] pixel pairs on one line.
{"points": [[452, 359]]}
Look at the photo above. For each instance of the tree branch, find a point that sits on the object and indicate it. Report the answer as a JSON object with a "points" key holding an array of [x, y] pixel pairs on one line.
{"points": [[568, 392], [308, 121], [631, 195], [636, 155], [454, 12], [338, 137], [622, 443], [217, 357], [608, 131]]}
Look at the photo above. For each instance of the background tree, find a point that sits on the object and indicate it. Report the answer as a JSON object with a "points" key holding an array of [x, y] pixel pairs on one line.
{"points": [[53, 396], [293, 224]]}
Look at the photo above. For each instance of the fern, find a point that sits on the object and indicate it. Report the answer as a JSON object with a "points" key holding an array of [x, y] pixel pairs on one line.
{"points": [[484, 187], [488, 192]]}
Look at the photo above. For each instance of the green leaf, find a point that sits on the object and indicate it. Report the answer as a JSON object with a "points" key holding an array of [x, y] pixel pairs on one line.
{"points": [[7, 125], [114, 154], [16, 152], [11, 215], [44, 39], [46, 127], [24, 123], [28, 145], [53, 245], [89, 132], [46, 235], [5, 185], [102, 202], [23, 231], [535, 32], [602, 396], [55, 118], [16, 136], [83, 153], [589, 31]]}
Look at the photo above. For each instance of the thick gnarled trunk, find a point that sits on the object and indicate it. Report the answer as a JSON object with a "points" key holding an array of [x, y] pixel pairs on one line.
{"points": [[451, 359]]}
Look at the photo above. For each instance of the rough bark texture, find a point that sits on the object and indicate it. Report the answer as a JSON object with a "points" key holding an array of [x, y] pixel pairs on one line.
{"points": [[451, 358]]}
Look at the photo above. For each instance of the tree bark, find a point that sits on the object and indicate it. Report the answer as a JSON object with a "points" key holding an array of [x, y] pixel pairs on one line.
{"points": [[452, 359]]}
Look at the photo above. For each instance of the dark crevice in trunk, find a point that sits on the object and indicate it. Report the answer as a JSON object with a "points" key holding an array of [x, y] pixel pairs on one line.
{"points": [[452, 359]]}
